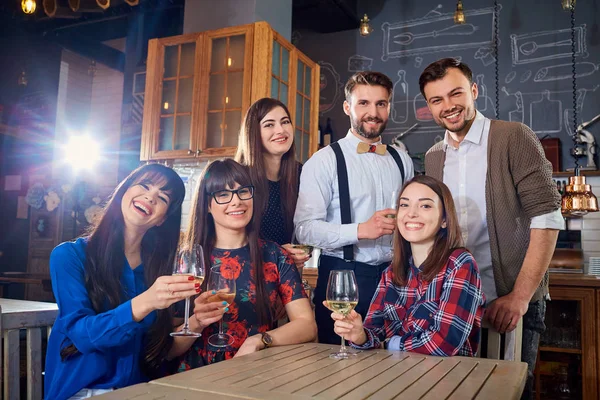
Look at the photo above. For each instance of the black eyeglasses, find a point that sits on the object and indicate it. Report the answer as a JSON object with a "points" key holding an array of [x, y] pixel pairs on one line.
{"points": [[225, 196]]}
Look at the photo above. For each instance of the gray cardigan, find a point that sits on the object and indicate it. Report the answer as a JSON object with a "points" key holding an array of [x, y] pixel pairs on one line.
{"points": [[518, 187]]}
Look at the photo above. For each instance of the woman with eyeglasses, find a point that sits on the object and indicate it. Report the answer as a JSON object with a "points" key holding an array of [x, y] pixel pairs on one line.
{"points": [[223, 222], [266, 146]]}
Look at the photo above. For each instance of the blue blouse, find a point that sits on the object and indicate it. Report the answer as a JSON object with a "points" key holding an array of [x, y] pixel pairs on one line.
{"points": [[110, 344]]}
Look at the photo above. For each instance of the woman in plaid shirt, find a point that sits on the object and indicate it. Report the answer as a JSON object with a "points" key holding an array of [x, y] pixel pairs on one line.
{"points": [[429, 300]]}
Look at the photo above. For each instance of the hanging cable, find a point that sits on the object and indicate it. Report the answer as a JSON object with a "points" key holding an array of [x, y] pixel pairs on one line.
{"points": [[574, 136], [496, 39]]}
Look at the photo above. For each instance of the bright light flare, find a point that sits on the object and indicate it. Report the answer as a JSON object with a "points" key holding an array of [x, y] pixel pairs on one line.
{"points": [[82, 152]]}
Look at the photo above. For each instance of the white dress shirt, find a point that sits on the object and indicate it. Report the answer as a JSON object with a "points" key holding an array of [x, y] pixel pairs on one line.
{"points": [[465, 171], [372, 179]]}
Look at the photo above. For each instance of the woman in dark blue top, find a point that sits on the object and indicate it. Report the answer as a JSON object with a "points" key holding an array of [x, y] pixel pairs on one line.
{"points": [[266, 146], [113, 288]]}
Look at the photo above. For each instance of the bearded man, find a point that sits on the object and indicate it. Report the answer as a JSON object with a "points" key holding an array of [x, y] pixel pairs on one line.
{"points": [[346, 191]]}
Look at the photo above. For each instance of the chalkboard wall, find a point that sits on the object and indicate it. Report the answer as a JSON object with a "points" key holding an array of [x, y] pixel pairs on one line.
{"points": [[534, 63]]}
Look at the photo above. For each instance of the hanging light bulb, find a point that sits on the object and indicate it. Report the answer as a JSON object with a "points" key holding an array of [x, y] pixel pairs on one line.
{"points": [[365, 29], [567, 4], [459, 15], [22, 81], [28, 6]]}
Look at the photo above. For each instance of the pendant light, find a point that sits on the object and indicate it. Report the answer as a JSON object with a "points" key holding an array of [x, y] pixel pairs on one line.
{"points": [[365, 29], [578, 198], [28, 6], [459, 15]]}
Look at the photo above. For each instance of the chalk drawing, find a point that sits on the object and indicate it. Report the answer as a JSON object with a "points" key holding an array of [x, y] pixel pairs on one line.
{"points": [[565, 71], [330, 87], [358, 63], [547, 45]]}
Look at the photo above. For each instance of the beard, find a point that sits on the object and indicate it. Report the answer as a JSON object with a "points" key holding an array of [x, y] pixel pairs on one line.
{"points": [[364, 132]]}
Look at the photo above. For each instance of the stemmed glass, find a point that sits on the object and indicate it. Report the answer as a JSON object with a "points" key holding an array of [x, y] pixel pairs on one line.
{"points": [[307, 248], [342, 297], [189, 261], [224, 287]]}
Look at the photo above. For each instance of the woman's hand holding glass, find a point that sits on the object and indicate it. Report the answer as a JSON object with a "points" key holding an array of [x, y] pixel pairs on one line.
{"points": [[350, 327], [205, 312], [170, 289]]}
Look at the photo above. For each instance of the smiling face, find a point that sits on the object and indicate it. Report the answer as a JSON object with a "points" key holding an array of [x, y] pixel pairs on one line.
{"points": [[277, 132], [232, 216], [368, 109], [420, 212], [145, 205], [451, 101]]}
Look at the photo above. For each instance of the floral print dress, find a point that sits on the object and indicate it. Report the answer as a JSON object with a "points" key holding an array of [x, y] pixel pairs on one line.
{"points": [[283, 284]]}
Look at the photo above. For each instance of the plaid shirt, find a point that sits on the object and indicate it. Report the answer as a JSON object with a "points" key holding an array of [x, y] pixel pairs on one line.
{"points": [[440, 318]]}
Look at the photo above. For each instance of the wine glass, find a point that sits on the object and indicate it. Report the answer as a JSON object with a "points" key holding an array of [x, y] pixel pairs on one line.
{"points": [[342, 297], [223, 285], [394, 203], [189, 261], [307, 248]]}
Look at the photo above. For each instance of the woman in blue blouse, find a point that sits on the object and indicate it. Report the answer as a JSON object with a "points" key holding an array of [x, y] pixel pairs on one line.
{"points": [[113, 288], [266, 145], [429, 300]]}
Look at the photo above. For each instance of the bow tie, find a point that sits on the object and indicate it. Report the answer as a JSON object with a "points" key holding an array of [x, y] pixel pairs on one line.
{"points": [[371, 148]]}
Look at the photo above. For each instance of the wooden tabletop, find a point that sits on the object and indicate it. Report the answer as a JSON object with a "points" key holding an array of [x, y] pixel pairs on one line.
{"points": [[577, 280], [306, 371], [22, 313]]}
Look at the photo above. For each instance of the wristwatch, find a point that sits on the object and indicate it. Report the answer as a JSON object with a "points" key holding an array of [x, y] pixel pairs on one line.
{"points": [[266, 339]]}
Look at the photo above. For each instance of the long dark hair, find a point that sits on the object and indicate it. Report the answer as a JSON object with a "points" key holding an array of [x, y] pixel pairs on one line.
{"points": [[220, 175], [250, 153], [446, 240], [105, 253]]}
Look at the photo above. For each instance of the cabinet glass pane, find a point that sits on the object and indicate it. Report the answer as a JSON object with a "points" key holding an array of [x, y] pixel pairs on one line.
{"points": [[219, 55], [563, 322], [171, 59], [274, 88], [165, 134], [306, 115], [236, 51], [183, 132], [168, 97], [188, 56], [298, 141], [284, 94], [184, 99], [298, 111], [300, 77], [235, 89], [213, 130], [275, 59], [305, 142], [216, 92], [233, 121], [307, 80], [285, 64]]}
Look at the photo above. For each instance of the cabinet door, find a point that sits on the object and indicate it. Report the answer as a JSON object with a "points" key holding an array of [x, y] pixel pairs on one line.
{"points": [[227, 70], [566, 363], [306, 110], [281, 73], [172, 98]]}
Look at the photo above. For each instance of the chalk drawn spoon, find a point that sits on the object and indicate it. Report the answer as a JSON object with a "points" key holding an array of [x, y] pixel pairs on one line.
{"points": [[405, 38], [528, 48]]}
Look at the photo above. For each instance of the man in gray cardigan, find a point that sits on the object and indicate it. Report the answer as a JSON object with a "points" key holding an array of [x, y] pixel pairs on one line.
{"points": [[507, 204]]}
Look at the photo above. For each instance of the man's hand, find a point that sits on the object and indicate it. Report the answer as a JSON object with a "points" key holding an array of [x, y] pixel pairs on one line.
{"points": [[504, 312], [378, 225], [298, 255]]}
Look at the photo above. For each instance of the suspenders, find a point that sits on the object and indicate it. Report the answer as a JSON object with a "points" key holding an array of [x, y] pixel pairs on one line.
{"points": [[344, 189]]}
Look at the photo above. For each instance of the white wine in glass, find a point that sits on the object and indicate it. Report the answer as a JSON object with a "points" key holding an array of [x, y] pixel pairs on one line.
{"points": [[224, 288], [394, 203], [189, 261], [342, 297]]}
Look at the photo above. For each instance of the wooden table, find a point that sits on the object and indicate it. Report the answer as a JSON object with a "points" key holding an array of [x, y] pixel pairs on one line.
{"points": [[305, 371], [17, 315]]}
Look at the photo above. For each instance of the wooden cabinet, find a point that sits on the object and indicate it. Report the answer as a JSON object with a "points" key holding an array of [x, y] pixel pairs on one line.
{"points": [[567, 364], [199, 86]]}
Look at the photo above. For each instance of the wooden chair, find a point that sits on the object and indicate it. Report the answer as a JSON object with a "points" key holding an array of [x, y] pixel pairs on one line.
{"points": [[32, 318], [494, 345]]}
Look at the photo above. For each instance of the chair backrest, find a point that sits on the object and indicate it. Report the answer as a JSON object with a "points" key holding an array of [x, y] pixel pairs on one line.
{"points": [[497, 346]]}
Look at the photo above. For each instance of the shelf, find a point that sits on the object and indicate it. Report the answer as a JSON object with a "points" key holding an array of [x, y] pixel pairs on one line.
{"points": [[566, 174], [560, 350]]}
